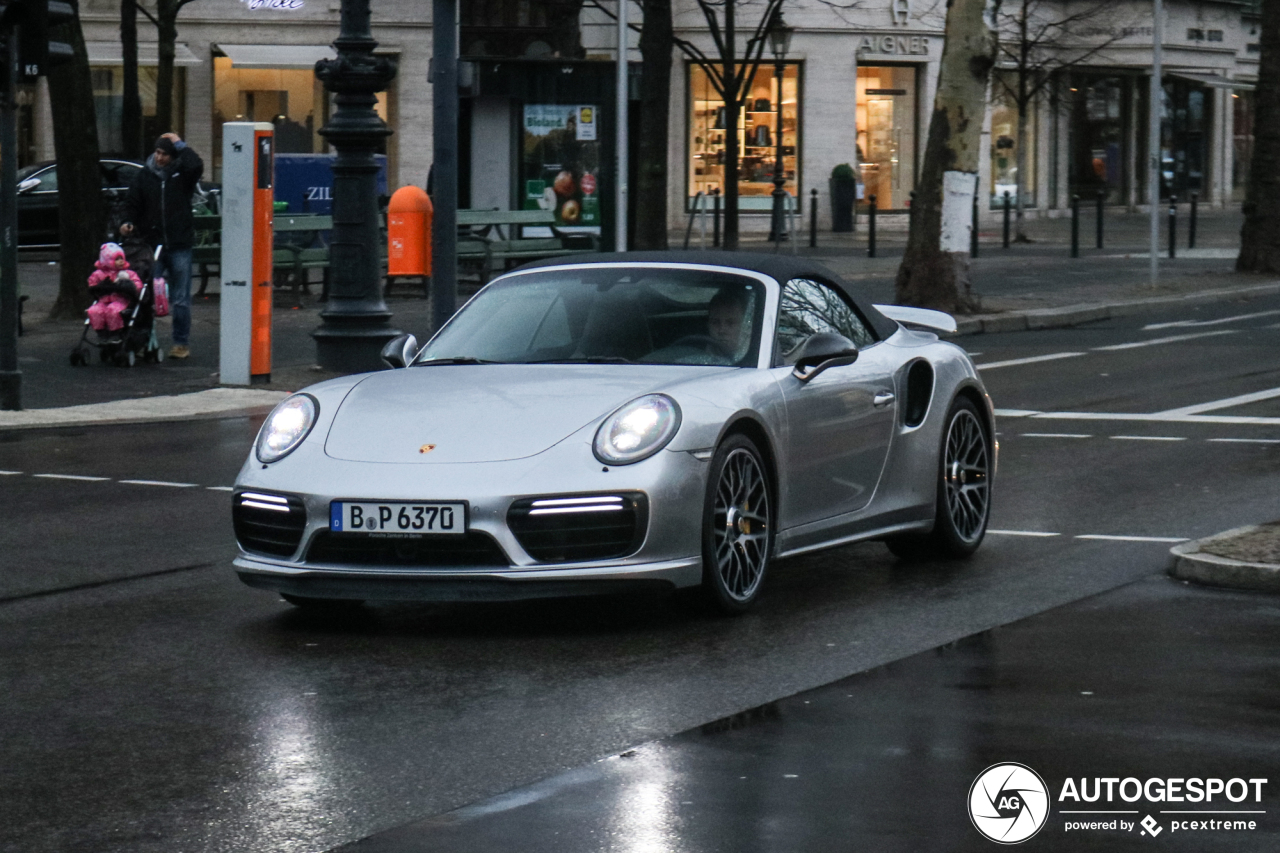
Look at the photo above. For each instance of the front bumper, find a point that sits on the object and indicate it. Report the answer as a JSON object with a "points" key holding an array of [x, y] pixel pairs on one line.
{"points": [[552, 581]]}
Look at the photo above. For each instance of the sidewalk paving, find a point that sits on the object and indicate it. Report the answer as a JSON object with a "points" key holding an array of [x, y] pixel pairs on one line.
{"points": [[1031, 285]]}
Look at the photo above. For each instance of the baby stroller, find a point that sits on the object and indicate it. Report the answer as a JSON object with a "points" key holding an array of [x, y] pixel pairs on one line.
{"points": [[137, 339]]}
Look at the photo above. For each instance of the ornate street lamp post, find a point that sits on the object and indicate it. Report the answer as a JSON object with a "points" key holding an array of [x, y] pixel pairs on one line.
{"points": [[355, 323], [779, 43]]}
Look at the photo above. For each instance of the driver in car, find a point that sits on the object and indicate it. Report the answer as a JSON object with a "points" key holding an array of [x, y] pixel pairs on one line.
{"points": [[724, 319]]}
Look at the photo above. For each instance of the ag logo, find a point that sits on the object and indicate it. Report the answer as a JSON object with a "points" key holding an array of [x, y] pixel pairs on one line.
{"points": [[1008, 803]]}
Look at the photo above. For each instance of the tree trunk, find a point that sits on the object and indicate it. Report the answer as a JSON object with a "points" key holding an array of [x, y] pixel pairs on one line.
{"points": [[656, 44], [1260, 236], [131, 109], [167, 15], [732, 106], [81, 210], [935, 268]]}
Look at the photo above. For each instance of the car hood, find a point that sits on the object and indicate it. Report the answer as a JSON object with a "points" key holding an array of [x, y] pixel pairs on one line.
{"points": [[484, 413]]}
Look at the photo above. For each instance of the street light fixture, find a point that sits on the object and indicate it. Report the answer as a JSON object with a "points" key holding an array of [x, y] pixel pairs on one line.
{"points": [[779, 44], [355, 323]]}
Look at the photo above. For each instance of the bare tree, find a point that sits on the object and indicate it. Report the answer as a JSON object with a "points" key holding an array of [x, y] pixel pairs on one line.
{"points": [[81, 213], [935, 267], [166, 21], [657, 41], [131, 108], [1260, 236], [1038, 40]]}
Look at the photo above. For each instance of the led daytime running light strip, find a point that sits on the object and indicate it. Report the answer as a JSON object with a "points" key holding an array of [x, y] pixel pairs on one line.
{"points": [[564, 506], [261, 501]]}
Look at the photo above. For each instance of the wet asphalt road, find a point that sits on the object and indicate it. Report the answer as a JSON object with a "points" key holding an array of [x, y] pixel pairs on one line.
{"points": [[153, 703]]}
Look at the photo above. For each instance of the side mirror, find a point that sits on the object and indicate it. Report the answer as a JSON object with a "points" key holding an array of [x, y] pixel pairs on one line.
{"points": [[28, 185], [400, 351], [822, 351]]}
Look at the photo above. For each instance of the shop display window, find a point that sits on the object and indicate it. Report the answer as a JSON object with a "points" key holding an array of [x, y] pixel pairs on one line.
{"points": [[1242, 153], [108, 102], [886, 116], [757, 131], [1099, 141], [292, 99], [1004, 147]]}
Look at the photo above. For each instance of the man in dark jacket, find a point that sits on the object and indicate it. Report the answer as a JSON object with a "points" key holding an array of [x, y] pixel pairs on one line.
{"points": [[158, 208]]}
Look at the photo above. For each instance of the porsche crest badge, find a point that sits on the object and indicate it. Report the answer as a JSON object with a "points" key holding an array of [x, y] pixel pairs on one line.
{"points": [[426, 448]]}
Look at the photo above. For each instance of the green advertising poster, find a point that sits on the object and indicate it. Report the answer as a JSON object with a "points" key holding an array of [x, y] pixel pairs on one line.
{"points": [[562, 162]]}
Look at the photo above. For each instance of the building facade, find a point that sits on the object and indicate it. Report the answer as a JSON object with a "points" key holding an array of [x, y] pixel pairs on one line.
{"points": [[856, 87]]}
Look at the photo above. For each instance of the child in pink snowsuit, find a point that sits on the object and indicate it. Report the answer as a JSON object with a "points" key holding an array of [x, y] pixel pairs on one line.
{"points": [[114, 285]]}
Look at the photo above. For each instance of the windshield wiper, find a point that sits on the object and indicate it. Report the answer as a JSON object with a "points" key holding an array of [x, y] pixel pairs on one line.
{"points": [[586, 359], [457, 359]]}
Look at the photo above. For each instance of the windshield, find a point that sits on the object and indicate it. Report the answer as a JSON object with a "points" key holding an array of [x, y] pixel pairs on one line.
{"points": [[603, 314]]}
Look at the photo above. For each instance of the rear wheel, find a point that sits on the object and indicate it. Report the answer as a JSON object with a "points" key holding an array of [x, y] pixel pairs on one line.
{"points": [[964, 490], [737, 527]]}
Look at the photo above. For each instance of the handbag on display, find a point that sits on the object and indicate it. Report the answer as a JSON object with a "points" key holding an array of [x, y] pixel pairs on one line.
{"points": [[762, 105], [762, 136]]}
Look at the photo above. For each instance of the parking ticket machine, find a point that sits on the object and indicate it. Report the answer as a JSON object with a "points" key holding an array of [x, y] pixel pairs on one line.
{"points": [[247, 167]]}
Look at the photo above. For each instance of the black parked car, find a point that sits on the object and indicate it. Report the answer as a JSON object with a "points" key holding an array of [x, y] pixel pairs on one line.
{"points": [[38, 198]]}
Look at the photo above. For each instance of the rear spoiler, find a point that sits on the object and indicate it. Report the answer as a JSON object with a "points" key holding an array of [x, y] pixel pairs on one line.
{"points": [[919, 318]]}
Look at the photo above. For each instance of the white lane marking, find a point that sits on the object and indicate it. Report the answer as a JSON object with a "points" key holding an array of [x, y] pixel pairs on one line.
{"points": [[1016, 413], [220, 488], [1151, 327], [1036, 533], [1150, 437], [1056, 435], [1158, 417], [158, 483], [1167, 340], [1031, 360], [1248, 440], [1110, 538], [72, 477], [1225, 403], [9, 473]]}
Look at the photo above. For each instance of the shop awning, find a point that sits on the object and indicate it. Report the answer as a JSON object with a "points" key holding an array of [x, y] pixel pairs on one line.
{"points": [[109, 53], [276, 55], [1206, 79]]}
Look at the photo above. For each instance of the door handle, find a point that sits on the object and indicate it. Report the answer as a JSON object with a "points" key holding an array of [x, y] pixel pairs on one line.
{"points": [[882, 399]]}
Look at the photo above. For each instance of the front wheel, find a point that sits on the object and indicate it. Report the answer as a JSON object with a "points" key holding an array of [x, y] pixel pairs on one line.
{"points": [[737, 526], [964, 490]]}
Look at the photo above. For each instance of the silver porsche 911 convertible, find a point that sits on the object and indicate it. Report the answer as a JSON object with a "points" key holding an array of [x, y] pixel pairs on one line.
{"points": [[637, 420]]}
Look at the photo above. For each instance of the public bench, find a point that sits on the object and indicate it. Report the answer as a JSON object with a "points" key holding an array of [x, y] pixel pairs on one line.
{"points": [[294, 253], [495, 239]]}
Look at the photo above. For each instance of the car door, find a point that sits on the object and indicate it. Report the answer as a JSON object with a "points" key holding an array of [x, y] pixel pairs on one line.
{"points": [[840, 422], [38, 208], [116, 177]]}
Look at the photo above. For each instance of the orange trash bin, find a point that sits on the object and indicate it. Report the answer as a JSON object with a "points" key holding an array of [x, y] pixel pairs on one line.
{"points": [[409, 232]]}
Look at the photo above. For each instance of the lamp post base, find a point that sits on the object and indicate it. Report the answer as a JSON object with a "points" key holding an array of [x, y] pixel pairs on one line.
{"points": [[348, 344]]}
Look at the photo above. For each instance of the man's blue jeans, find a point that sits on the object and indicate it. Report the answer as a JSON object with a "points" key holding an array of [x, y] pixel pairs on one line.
{"points": [[175, 266]]}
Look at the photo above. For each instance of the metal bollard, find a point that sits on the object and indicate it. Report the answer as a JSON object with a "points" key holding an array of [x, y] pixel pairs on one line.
{"points": [[871, 228], [813, 219], [1075, 226], [1102, 194], [1173, 226], [715, 219], [1006, 219], [973, 229], [1191, 227]]}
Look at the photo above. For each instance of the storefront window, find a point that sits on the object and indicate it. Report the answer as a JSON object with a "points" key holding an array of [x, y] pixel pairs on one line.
{"points": [[1184, 138], [291, 99], [1242, 105], [108, 102], [886, 105], [1098, 140], [1004, 147], [757, 132]]}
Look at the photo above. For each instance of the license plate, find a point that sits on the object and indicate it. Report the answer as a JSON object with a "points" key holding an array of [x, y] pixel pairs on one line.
{"points": [[402, 519]]}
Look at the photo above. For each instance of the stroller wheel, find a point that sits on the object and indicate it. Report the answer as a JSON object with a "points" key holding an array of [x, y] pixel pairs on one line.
{"points": [[75, 358], [128, 359], [159, 356]]}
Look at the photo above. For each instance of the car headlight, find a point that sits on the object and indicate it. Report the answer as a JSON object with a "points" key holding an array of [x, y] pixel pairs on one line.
{"points": [[286, 427], [638, 430]]}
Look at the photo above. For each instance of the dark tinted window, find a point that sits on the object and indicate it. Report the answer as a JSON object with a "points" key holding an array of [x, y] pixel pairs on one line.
{"points": [[48, 180], [808, 308]]}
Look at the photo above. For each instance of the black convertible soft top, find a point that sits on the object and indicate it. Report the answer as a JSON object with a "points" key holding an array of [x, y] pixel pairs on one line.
{"points": [[781, 268]]}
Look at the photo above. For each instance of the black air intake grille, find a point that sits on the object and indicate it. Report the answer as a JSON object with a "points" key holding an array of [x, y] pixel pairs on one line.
{"points": [[471, 549], [578, 528], [267, 523]]}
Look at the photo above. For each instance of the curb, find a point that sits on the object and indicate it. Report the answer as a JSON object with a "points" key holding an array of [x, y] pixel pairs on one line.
{"points": [[1074, 315], [1191, 565], [201, 405]]}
